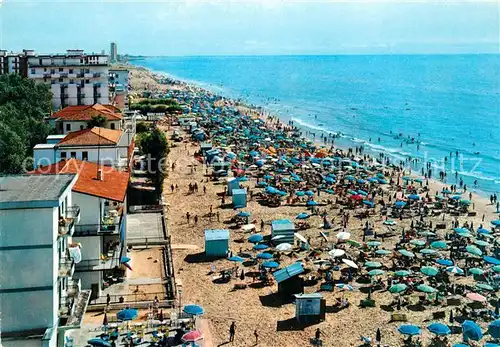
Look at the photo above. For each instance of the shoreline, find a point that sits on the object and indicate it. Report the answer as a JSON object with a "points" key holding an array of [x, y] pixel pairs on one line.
{"points": [[434, 183]]}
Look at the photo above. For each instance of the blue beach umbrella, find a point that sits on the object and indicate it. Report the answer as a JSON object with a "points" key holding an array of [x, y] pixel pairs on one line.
{"points": [[262, 184], [409, 329], [127, 314], [382, 181], [485, 286], [439, 329], [361, 181], [476, 271], [496, 222], [402, 273], [311, 203], [471, 330], [243, 214], [236, 259], [406, 178], [471, 249], [461, 230], [329, 191], [309, 193], [483, 231], [413, 197], [270, 264], [264, 256], [303, 215], [194, 310], [362, 192], [372, 180], [400, 204], [125, 259], [368, 203], [491, 260], [439, 245], [494, 329], [260, 247], [256, 238], [300, 193], [417, 242], [349, 178], [444, 262]]}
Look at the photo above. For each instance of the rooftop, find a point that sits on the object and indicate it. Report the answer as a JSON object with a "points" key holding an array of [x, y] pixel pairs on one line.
{"points": [[288, 272], [91, 137], [29, 191], [212, 235], [112, 185], [86, 112]]}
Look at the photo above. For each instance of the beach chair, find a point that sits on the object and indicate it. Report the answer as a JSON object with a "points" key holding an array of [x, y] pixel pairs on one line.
{"points": [[399, 317]]}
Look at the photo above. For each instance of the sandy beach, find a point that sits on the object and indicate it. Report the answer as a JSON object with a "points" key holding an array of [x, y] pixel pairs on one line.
{"points": [[257, 307]]}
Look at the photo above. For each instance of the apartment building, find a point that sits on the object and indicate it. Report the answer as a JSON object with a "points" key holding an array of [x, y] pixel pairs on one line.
{"points": [[73, 118], [40, 299]]}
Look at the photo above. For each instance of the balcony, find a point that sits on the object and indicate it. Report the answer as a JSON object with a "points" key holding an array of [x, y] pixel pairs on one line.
{"points": [[55, 75], [74, 287], [88, 75], [64, 74], [77, 311], [68, 220], [97, 74], [66, 267]]}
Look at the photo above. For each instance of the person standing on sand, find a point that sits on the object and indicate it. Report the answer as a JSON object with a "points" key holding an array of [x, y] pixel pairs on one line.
{"points": [[232, 331], [188, 215], [256, 336]]}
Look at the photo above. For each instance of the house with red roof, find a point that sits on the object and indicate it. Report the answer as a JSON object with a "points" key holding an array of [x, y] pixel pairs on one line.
{"points": [[101, 194], [74, 118]]}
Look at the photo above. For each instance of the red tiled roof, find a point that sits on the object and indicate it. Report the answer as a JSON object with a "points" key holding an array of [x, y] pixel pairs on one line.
{"points": [[91, 137], [112, 186], [86, 112]]}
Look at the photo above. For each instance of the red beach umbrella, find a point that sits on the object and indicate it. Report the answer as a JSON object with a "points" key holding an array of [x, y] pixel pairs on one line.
{"points": [[357, 197], [192, 336], [476, 297]]}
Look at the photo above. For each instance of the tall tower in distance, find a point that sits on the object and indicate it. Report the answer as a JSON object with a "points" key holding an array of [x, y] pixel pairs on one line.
{"points": [[113, 52]]}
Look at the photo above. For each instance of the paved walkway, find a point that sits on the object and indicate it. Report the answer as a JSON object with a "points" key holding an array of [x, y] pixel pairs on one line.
{"points": [[183, 246], [204, 326]]}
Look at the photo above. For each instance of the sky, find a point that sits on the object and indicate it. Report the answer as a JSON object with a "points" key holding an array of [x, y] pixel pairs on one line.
{"points": [[252, 27]]}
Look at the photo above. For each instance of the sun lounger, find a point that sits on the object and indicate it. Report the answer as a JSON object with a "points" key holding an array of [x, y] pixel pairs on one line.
{"points": [[399, 317]]}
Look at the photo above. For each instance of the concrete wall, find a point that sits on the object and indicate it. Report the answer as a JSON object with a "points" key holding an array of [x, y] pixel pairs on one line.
{"points": [[76, 125], [43, 156], [24, 343], [89, 208]]}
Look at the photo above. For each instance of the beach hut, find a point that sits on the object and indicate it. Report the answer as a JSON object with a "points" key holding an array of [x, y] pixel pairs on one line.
{"points": [[289, 281], [285, 228], [310, 308], [232, 184], [205, 146], [239, 198], [216, 243]]}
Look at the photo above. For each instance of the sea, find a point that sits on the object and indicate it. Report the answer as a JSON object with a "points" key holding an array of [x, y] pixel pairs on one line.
{"points": [[429, 107]]}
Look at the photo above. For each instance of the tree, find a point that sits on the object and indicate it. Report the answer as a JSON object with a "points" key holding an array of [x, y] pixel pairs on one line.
{"points": [[141, 127], [96, 121], [154, 144], [23, 108]]}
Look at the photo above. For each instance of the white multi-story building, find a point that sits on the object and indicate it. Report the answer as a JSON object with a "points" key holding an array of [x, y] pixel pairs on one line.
{"points": [[39, 299]]}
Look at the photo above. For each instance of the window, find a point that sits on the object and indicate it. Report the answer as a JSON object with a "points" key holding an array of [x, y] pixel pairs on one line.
{"points": [[71, 81], [40, 61], [85, 155], [61, 69], [63, 155], [52, 82], [73, 155], [87, 81], [113, 126], [52, 71], [60, 80], [70, 70], [68, 127], [32, 71], [81, 61], [87, 70]]}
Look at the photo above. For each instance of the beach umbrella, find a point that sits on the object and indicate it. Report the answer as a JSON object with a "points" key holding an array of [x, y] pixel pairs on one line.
{"points": [[482, 243], [194, 310], [260, 247], [400, 204], [309, 193], [382, 252], [402, 273], [418, 180], [362, 192], [476, 271], [496, 268], [455, 270], [361, 181], [427, 233], [491, 260], [382, 181], [464, 234], [471, 330], [329, 191], [455, 197], [368, 203], [444, 262], [334, 253], [283, 247], [465, 202], [372, 180], [461, 230], [389, 222], [351, 178], [496, 222], [303, 215], [264, 256], [354, 243], [471, 249], [406, 178], [311, 203], [373, 243], [262, 184], [446, 191], [406, 253], [494, 329], [192, 336], [300, 237], [439, 244], [357, 197], [491, 344], [409, 329], [255, 238], [343, 235], [398, 288], [300, 193], [439, 329], [427, 251], [344, 286], [350, 263], [429, 270], [270, 264], [124, 260], [98, 342], [236, 259], [243, 214], [425, 288], [483, 231], [413, 197], [372, 264], [127, 314], [419, 243], [475, 297], [376, 272], [484, 286]]}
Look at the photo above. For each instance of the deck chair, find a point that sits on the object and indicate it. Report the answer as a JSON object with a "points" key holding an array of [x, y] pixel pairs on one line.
{"points": [[399, 317]]}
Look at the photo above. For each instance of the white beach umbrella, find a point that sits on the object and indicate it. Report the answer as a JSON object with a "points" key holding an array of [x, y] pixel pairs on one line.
{"points": [[343, 235], [300, 237], [350, 263], [283, 247], [334, 253]]}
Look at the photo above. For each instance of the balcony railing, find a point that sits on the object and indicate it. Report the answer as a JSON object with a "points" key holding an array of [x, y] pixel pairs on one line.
{"points": [[67, 222], [66, 267], [74, 287], [96, 229]]}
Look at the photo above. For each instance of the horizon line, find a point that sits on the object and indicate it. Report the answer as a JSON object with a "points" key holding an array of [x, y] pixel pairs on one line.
{"points": [[302, 55]]}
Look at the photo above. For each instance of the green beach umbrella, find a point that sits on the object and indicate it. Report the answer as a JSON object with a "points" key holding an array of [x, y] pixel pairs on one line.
{"points": [[372, 264], [402, 273], [488, 236], [428, 251], [373, 243], [476, 271], [473, 250], [464, 234], [439, 245], [382, 252], [484, 286], [406, 253], [429, 270], [482, 243], [398, 288], [465, 202], [354, 243], [419, 243], [427, 233], [496, 268], [376, 272], [425, 288]]}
